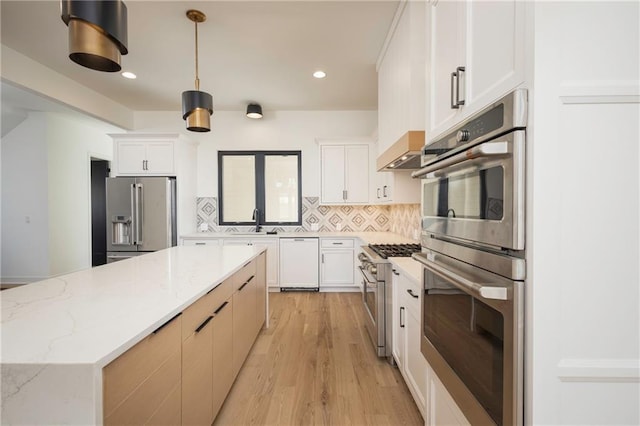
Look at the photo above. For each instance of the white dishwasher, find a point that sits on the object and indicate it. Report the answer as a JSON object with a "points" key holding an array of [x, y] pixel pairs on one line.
{"points": [[299, 264]]}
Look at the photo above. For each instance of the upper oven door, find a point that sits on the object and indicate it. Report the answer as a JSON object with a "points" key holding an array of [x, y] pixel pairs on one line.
{"points": [[478, 194]]}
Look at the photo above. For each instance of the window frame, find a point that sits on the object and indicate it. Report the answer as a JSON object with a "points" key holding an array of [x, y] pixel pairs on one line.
{"points": [[259, 161]]}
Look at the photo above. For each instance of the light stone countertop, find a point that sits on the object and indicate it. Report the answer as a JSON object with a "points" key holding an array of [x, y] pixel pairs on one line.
{"points": [[409, 267], [59, 333], [366, 237]]}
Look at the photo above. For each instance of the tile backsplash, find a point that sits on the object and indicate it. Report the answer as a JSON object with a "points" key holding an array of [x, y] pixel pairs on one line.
{"points": [[403, 219]]}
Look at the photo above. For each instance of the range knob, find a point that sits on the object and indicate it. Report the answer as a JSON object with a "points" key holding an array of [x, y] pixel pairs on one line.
{"points": [[373, 269], [462, 135]]}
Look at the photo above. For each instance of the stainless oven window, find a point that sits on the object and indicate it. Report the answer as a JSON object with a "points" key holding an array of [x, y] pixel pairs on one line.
{"points": [[469, 335], [473, 194]]}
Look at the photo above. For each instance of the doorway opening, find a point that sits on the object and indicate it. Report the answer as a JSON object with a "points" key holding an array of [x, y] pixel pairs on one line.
{"points": [[99, 174]]}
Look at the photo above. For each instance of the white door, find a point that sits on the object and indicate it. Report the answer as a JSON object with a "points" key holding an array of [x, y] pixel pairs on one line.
{"points": [[131, 157], [160, 158], [357, 173], [332, 165], [495, 50], [336, 267], [447, 54]]}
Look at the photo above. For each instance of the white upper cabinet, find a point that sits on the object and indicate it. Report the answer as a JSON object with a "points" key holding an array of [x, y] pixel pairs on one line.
{"points": [[401, 76], [144, 155], [476, 55], [344, 173]]}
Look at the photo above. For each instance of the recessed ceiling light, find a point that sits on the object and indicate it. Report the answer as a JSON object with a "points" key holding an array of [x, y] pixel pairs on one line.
{"points": [[128, 74], [319, 74]]}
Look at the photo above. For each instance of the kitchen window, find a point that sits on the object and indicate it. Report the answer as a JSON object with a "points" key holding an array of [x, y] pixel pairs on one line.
{"points": [[265, 180]]}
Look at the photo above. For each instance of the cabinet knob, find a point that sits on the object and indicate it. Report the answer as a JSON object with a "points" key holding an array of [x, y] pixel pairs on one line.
{"points": [[462, 135]]}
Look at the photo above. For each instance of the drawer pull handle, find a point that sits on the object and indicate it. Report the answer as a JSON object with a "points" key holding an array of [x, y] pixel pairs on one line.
{"points": [[204, 324], [395, 272], [243, 286], [166, 323], [217, 311], [401, 317], [201, 244], [250, 278], [415, 296], [337, 244]]}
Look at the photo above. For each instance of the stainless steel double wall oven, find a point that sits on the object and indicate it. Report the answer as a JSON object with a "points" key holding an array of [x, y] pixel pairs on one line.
{"points": [[473, 246]]}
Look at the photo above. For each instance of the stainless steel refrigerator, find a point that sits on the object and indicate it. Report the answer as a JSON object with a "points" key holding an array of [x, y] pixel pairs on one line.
{"points": [[141, 216]]}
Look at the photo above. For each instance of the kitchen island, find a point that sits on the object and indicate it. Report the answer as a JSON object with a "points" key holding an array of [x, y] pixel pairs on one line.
{"points": [[58, 334]]}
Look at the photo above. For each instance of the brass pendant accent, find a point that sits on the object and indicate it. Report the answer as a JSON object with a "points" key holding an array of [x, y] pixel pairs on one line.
{"points": [[90, 46], [199, 120], [196, 16]]}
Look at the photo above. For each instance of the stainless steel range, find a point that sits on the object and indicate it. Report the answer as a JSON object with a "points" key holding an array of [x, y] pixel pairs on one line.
{"points": [[376, 292]]}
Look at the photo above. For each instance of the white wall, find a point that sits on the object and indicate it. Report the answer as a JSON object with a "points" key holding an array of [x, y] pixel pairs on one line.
{"points": [[583, 282], [71, 143], [278, 130], [25, 251], [24, 72], [46, 176]]}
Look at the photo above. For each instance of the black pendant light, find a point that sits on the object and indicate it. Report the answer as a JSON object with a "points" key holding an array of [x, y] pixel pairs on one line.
{"points": [[254, 111], [197, 106], [97, 32]]}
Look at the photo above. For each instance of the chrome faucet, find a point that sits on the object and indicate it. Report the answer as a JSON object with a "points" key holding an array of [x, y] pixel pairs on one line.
{"points": [[256, 217]]}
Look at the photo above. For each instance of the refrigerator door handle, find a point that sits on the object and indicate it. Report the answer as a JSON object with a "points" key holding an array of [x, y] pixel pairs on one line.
{"points": [[138, 212]]}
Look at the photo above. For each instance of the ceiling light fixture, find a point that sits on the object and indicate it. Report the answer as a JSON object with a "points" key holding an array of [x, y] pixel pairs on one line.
{"points": [[197, 106], [319, 74], [97, 32], [254, 111], [129, 75]]}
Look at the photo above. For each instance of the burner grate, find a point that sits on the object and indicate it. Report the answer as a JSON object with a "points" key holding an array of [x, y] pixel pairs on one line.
{"points": [[395, 250]]}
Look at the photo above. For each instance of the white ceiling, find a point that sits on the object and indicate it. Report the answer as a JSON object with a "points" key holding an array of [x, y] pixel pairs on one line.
{"points": [[249, 51]]}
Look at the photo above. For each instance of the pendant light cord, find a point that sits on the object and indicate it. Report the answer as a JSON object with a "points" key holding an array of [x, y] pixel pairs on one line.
{"points": [[197, 79]]}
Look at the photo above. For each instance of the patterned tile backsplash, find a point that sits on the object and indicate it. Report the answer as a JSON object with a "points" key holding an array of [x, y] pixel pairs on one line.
{"points": [[403, 219]]}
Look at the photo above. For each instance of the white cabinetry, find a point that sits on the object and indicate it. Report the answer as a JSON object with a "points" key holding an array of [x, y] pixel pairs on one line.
{"points": [[476, 56], [407, 335], [401, 76], [344, 173], [272, 254], [161, 154], [337, 264], [397, 188], [299, 263], [202, 242], [441, 409], [145, 154]]}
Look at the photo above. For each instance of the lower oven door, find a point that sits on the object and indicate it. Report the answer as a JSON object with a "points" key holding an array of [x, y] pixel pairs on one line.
{"points": [[373, 300], [472, 334]]}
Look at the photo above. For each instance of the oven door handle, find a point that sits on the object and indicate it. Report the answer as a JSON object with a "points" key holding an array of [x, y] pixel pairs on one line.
{"points": [[485, 150], [474, 287], [366, 277]]}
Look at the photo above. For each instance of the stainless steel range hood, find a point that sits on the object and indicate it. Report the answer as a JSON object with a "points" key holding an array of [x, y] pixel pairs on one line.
{"points": [[404, 154]]}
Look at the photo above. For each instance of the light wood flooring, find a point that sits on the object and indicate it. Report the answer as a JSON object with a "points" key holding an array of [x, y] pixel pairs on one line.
{"points": [[315, 365]]}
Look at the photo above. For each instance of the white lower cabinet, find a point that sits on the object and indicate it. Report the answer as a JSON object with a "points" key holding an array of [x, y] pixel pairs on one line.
{"points": [[407, 335], [441, 409], [337, 264]]}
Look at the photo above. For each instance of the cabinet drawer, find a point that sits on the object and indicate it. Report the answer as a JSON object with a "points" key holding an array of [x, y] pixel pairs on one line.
{"points": [[124, 375], [221, 293], [244, 275], [200, 242], [410, 290], [140, 406], [337, 243], [196, 314]]}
